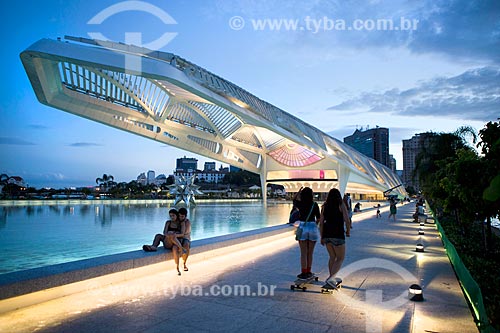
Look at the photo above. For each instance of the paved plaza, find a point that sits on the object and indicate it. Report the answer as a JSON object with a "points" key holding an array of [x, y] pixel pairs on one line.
{"points": [[249, 291]]}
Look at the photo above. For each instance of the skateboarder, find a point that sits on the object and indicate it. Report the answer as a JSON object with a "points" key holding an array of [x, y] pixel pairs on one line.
{"points": [[308, 234], [334, 215]]}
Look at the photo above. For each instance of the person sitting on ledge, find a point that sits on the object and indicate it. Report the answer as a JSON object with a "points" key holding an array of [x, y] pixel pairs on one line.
{"points": [[173, 230], [186, 240]]}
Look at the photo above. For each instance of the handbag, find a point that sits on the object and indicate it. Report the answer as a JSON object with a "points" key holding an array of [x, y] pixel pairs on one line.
{"points": [[298, 232]]}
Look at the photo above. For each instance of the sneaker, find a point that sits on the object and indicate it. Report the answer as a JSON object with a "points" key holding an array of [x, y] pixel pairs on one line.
{"points": [[334, 282], [302, 276], [309, 275]]}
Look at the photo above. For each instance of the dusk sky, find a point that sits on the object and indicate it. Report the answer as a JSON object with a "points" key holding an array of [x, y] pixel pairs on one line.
{"points": [[439, 69]]}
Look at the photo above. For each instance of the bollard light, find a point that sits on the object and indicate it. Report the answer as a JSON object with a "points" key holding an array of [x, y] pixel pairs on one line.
{"points": [[421, 231], [420, 247], [415, 293]]}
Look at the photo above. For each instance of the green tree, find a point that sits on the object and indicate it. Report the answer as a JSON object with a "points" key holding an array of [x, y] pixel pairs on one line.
{"points": [[490, 148], [105, 182]]}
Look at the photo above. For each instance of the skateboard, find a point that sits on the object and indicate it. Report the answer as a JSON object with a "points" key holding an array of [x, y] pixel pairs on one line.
{"points": [[327, 288], [301, 283]]}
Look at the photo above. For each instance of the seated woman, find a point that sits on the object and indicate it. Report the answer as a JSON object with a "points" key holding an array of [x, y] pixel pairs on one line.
{"points": [[173, 230]]}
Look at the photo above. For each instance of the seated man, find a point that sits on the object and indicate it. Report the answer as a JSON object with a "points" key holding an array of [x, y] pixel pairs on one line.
{"points": [[186, 240]]}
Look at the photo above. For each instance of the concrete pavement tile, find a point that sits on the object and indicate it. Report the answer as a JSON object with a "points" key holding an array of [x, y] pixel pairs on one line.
{"points": [[217, 317], [437, 317], [176, 325], [371, 319], [271, 323], [105, 320]]}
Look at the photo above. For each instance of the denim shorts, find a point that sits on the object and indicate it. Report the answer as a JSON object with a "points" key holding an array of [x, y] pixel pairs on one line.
{"points": [[310, 231], [335, 241]]}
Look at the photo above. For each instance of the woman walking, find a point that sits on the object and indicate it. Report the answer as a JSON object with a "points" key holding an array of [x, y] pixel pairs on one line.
{"points": [[392, 210], [334, 215], [307, 232]]}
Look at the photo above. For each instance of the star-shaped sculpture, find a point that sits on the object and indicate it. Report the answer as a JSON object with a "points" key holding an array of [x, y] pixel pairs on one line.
{"points": [[184, 190]]}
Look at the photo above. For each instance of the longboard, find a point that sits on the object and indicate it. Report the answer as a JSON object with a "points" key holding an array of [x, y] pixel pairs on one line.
{"points": [[327, 288], [301, 283]]}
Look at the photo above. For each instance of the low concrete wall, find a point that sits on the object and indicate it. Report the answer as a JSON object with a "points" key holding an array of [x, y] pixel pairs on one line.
{"points": [[16, 286]]}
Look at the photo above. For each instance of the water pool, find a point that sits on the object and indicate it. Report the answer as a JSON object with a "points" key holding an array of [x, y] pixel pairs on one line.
{"points": [[34, 236]]}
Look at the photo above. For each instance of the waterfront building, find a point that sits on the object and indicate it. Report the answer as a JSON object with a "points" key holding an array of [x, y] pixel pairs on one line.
{"points": [[373, 143], [164, 97]]}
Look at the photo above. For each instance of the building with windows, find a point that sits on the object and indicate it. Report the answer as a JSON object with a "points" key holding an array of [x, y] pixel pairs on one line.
{"points": [[151, 177], [209, 174], [373, 143], [212, 176], [411, 148], [187, 163], [209, 166]]}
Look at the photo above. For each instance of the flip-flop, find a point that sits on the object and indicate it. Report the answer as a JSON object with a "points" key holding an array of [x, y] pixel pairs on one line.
{"points": [[186, 269]]}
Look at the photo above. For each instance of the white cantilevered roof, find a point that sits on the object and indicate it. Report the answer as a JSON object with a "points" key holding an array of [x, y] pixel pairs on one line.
{"points": [[168, 99]]}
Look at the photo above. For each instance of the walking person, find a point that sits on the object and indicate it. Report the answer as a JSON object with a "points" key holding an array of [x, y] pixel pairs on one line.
{"points": [[172, 231], [348, 203], [307, 232], [334, 215], [378, 211], [392, 210], [186, 240]]}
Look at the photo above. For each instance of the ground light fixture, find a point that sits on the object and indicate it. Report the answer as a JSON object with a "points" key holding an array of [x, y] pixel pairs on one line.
{"points": [[420, 247], [415, 293]]}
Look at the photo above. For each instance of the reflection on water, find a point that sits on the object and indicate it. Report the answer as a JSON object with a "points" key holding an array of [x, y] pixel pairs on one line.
{"points": [[43, 235]]}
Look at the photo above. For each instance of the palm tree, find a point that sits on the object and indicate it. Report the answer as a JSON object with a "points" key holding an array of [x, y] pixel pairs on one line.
{"points": [[105, 182]]}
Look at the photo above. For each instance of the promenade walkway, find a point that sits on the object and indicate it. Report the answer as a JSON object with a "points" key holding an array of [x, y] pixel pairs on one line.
{"points": [[380, 265]]}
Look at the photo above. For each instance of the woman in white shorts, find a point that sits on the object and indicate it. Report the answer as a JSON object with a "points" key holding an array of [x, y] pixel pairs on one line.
{"points": [[309, 215]]}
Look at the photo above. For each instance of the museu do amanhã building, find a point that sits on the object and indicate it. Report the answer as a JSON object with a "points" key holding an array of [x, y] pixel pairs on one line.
{"points": [[166, 98]]}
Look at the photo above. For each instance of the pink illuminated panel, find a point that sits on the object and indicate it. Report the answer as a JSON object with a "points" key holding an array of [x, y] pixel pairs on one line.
{"points": [[293, 155]]}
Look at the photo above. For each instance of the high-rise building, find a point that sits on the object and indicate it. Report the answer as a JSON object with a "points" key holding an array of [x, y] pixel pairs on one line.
{"points": [[411, 148], [151, 177], [373, 143], [187, 163]]}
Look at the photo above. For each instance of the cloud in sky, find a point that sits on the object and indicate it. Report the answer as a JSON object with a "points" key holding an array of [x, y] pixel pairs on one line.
{"points": [[37, 127], [15, 141], [84, 144], [458, 29], [473, 95]]}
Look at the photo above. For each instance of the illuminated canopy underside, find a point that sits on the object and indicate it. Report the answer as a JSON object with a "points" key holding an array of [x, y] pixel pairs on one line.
{"points": [[166, 98]]}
